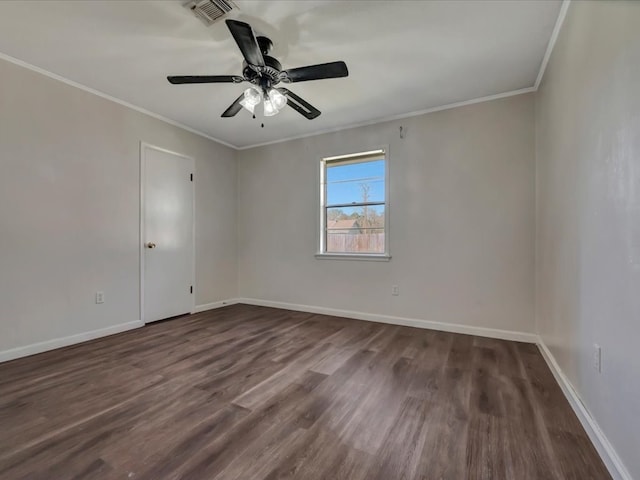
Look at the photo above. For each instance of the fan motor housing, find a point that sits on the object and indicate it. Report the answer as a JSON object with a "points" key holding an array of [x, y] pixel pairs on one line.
{"points": [[265, 44], [270, 72]]}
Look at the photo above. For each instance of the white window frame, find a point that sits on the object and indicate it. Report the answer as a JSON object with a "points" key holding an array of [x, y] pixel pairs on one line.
{"points": [[322, 196]]}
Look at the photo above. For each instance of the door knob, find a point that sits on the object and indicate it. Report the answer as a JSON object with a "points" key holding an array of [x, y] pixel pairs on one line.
{"points": [[151, 245]]}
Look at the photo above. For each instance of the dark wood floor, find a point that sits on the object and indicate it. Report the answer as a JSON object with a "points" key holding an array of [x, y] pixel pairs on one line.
{"points": [[248, 392]]}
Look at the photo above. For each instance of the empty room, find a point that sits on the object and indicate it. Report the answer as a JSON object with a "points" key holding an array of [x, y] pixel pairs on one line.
{"points": [[319, 239]]}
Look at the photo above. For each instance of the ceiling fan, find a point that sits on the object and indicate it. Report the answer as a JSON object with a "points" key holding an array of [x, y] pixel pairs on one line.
{"points": [[264, 73]]}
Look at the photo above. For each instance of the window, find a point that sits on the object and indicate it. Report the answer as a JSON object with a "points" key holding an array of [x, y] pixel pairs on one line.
{"points": [[353, 198]]}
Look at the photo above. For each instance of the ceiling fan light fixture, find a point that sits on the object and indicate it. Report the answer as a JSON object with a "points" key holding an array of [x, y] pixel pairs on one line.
{"points": [[269, 108], [278, 100], [247, 105], [262, 71], [252, 96]]}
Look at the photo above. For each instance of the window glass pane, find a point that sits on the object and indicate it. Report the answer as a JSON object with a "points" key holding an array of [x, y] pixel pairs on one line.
{"points": [[355, 229], [355, 182]]}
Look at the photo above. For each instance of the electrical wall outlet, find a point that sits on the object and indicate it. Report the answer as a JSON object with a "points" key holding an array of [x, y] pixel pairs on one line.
{"points": [[395, 290], [99, 297], [597, 358]]}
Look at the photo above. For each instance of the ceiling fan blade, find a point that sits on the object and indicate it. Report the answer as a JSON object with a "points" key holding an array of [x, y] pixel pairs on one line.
{"points": [[234, 108], [182, 79], [300, 105], [315, 72], [246, 40]]}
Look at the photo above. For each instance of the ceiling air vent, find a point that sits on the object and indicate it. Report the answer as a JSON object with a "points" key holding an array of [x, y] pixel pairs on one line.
{"points": [[210, 11]]}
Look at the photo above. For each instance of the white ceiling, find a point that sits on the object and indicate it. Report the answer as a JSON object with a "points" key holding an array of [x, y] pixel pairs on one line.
{"points": [[403, 56]]}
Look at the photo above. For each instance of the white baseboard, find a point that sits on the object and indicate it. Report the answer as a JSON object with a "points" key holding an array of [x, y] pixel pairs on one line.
{"points": [[210, 306], [608, 454], [407, 322], [45, 346], [40, 347]]}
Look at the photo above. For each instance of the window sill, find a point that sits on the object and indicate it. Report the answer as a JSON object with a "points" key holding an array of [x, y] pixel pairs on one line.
{"points": [[354, 256]]}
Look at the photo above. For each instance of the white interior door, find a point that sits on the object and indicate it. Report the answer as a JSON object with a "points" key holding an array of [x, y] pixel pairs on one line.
{"points": [[167, 251]]}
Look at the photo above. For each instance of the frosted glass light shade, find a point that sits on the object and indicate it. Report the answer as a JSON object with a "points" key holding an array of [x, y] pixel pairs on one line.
{"points": [[269, 109], [277, 99], [247, 105], [252, 96]]}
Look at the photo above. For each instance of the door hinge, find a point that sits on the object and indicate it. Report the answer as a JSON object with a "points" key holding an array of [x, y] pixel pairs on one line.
{"points": [[191, 177], [191, 289]]}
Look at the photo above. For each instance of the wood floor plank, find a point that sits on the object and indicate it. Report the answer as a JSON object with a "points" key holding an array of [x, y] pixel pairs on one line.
{"points": [[174, 461], [486, 458], [246, 392], [447, 423], [399, 454], [389, 379], [526, 444], [573, 456], [320, 455]]}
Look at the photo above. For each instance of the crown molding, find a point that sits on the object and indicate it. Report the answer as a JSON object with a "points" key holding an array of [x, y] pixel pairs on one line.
{"points": [[390, 118], [552, 42], [55, 76]]}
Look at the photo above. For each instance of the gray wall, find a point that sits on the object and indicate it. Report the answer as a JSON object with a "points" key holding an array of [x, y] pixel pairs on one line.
{"points": [[588, 213], [69, 209], [461, 216]]}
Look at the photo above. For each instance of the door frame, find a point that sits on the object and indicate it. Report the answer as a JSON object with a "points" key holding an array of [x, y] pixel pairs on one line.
{"points": [[143, 160]]}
